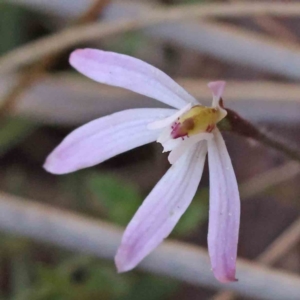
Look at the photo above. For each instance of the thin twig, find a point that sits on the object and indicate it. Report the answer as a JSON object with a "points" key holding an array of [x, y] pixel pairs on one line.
{"points": [[175, 259], [246, 97], [92, 12], [229, 43], [67, 38], [273, 27], [36, 72], [277, 29], [26, 79], [233, 44]]}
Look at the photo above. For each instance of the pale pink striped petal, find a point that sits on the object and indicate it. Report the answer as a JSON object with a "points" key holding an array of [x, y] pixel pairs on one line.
{"points": [[104, 138], [168, 121], [171, 144], [224, 212], [162, 209], [186, 144], [164, 135], [130, 73]]}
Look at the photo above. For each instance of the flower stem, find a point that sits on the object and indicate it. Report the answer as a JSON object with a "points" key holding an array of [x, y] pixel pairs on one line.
{"points": [[236, 124]]}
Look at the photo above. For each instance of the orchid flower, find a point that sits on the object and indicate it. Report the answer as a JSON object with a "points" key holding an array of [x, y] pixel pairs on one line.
{"points": [[189, 131]]}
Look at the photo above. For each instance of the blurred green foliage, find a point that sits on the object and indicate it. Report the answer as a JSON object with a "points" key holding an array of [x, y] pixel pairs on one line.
{"points": [[74, 277], [195, 216], [87, 278], [13, 131], [128, 43], [118, 201], [18, 25]]}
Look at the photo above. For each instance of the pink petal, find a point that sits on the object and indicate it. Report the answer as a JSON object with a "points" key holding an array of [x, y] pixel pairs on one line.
{"points": [[224, 213], [161, 210], [164, 135], [186, 144], [168, 121], [171, 144], [104, 138], [217, 88], [130, 73]]}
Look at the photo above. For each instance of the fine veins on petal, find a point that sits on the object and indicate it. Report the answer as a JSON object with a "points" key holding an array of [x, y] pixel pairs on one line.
{"points": [[161, 210], [104, 138], [186, 144], [130, 73], [224, 212]]}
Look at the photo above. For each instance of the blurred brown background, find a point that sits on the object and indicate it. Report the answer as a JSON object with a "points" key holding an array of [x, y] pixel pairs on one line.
{"points": [[58, 234]]}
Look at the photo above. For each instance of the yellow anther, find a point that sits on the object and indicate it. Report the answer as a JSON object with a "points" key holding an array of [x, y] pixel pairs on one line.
{"points": [[198, 119]]}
